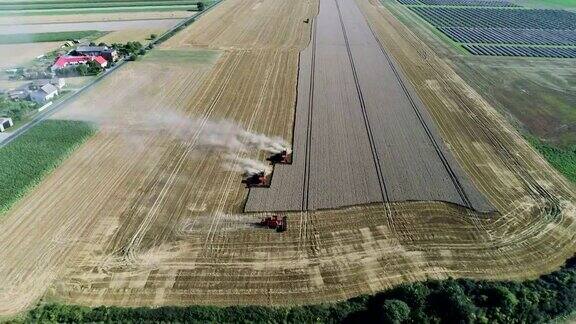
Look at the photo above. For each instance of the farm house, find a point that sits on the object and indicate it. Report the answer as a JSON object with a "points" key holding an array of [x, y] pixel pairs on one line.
{"points": [[66, 61], [106, 52], [44, 93]]}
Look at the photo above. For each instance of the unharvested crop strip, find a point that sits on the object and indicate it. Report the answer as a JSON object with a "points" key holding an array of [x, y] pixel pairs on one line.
{"points": [[375, 158], [453, 177]]}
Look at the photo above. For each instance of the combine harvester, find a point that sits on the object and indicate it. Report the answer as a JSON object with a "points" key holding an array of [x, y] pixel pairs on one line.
{"points": [[280, 224], [262, 180], [281, 158], [257, 180]]}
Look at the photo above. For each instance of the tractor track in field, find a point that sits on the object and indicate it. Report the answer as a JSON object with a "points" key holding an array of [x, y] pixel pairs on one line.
{"points": [[306, 181]]}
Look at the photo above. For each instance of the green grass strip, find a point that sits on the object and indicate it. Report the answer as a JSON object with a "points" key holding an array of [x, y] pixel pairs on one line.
{"points": [[49, 37], [25, 161], [563, 160]]}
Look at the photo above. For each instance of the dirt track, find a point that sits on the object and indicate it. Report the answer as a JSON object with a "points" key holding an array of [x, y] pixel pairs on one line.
{"points": [[138, 217], [362, 135]]}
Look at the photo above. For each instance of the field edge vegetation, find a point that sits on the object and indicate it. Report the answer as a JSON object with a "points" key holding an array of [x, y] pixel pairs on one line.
{"points": [[563, 160]]}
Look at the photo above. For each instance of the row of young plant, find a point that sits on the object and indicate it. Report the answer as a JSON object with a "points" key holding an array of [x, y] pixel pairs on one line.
{"points": [[27, 159]]}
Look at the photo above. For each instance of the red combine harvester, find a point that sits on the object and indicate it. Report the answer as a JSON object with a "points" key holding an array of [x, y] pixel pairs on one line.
{"points": [[260, 179], [282, 157], [275, 222]]}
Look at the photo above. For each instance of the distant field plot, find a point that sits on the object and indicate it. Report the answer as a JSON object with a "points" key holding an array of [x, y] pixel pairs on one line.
{"points": [[137, 24], [56, 6], [410, 2], [511, 36], [130, 35], [48, 37], [495, 50], [471, 3]]}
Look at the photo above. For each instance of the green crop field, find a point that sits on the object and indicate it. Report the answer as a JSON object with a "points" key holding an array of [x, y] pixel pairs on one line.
{"points": [[49, 37], [27, 159], [564, 160]]}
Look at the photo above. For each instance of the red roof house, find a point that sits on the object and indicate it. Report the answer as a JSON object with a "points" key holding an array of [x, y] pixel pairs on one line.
{"points": [[66, 60], [100, 60]]}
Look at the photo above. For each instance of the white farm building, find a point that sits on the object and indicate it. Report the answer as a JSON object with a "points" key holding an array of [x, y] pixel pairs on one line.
{"points": [[44, 93]]}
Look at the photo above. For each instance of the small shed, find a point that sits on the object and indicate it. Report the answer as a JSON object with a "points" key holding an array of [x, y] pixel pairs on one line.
{"points": [[5, 123]]}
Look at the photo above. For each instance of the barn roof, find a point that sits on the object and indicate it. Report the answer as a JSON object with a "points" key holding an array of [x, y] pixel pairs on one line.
{"points": [[100, 60], [49, 88]]}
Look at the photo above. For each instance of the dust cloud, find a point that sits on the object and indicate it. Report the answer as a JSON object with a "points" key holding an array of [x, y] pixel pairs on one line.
{"points": [[226, 138]]}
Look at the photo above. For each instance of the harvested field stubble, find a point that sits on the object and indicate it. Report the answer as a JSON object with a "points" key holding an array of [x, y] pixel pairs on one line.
{"points": [[238, 24], [140, 217], [16, 54]]}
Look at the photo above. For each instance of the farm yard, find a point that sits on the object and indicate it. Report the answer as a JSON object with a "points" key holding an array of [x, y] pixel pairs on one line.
{"points": [[478, 25], [49, 26], [150, 210], [61, 35]]}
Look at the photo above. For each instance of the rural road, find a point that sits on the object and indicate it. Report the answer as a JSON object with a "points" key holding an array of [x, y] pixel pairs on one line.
{"points": [[361, 134]]}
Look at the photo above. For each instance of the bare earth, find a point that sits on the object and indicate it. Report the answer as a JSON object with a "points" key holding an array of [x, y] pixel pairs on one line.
{"points": [[138, 216], [16, 54], [131, 35]]}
